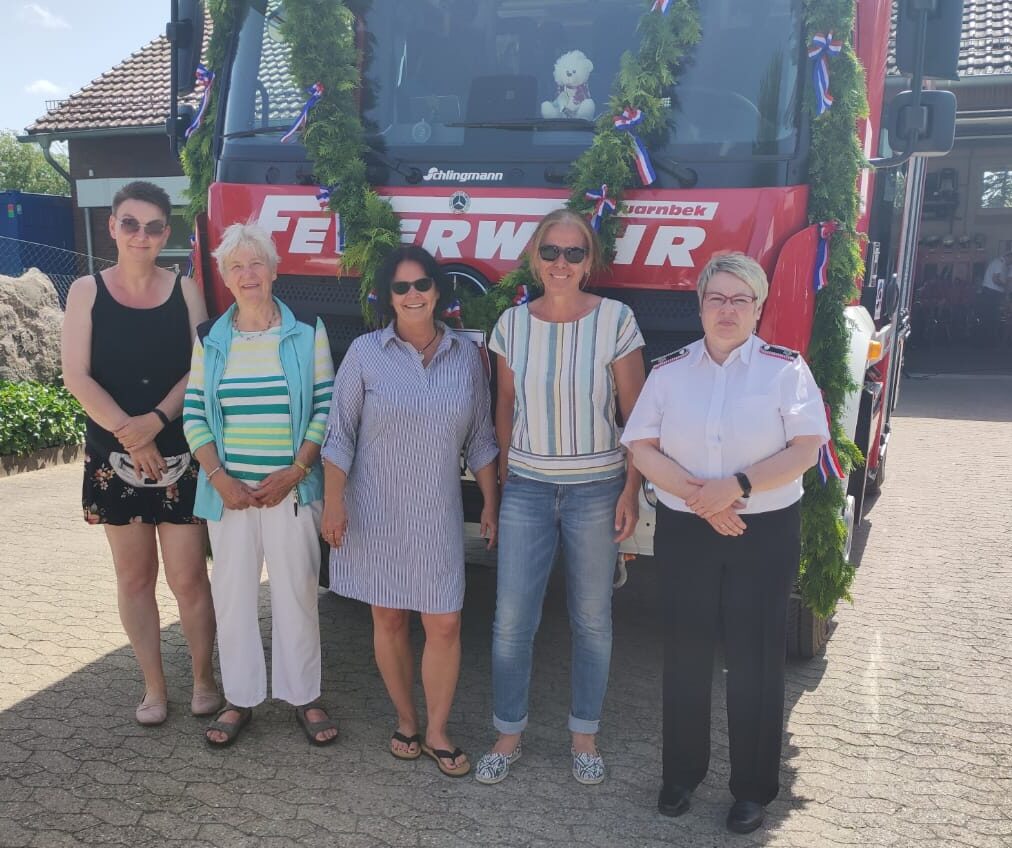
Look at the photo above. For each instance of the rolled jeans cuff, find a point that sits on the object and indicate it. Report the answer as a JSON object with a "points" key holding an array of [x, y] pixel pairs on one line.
{"points": [[583, 725], [509, 728]]}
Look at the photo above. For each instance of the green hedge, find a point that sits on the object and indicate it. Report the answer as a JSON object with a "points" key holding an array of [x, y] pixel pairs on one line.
{"points": [[35, 416]]}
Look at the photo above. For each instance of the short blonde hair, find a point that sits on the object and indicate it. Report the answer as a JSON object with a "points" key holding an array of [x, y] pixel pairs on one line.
{"points": [[252, 235], [745, 268], [566, 217]]}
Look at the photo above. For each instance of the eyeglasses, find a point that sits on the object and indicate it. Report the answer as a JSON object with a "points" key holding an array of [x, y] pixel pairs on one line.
{"points": [[738, 301], [131, 226], [573, 255], [423, 284]]}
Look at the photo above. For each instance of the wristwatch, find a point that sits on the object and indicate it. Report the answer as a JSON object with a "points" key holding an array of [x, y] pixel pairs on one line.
{"points": [[745, 483]]}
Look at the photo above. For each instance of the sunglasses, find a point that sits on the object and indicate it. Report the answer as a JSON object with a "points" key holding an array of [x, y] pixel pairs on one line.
{"points": [[573, 255], [422, 284], [131, 226]]}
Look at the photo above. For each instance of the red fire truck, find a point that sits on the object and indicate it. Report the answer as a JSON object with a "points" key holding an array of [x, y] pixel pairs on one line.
{"points": [[451, 101]]}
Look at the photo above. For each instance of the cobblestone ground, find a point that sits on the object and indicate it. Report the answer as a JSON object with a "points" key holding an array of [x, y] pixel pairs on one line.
{"points": [[900, 735]]}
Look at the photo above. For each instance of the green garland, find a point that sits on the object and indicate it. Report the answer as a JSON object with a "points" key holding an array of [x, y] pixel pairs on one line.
{"points": [[836, 161], [322, 35]]}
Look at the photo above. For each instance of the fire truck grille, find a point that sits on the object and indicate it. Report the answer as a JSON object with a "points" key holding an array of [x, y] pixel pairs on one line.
{"points": [[669, 320]]}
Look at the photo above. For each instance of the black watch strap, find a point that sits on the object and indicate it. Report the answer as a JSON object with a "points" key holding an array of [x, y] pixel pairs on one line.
{"points": [[745, 483]]}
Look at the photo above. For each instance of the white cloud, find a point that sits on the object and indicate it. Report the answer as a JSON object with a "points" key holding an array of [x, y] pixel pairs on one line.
{"points": [[45, 87], [36, 14]]}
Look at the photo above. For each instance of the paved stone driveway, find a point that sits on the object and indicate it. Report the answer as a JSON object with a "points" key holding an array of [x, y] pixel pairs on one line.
{"points": [[901, 735]]}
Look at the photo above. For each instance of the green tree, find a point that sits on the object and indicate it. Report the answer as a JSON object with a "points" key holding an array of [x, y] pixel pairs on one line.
{"points": [[24, 168]]}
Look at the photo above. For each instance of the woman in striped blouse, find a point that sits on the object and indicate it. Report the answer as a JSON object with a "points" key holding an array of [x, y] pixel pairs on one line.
{"points": [[562, 360], [254, 416]]}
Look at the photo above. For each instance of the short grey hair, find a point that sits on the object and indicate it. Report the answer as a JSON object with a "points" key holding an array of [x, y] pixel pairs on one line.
{"points": [[745, 268], [251, 235]]}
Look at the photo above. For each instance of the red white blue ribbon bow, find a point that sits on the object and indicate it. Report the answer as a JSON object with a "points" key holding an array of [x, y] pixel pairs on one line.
{"points": [[829, 462], [453, 310], [822, 48], [372, 298], [820, 277], [205, 78], [627, 122], [323, 195], [522, 296], [603, 205], [315, 92], [661, 6], [193, 250]]}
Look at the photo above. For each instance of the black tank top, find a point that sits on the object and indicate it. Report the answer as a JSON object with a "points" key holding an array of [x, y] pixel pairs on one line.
{"points": [[137, 356]]}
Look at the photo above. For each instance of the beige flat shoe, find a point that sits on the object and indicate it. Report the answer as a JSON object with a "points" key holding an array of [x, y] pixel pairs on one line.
{"points": [[151, 713], [205, 702]]}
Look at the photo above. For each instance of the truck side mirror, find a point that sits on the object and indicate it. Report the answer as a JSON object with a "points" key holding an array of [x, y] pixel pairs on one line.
{"points": [[942, 26], [185, 33], [922, 123]]}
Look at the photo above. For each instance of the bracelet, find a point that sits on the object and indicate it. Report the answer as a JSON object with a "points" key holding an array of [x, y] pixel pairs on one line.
{"points": [[216, 470], [305, 468], [162, 416]]}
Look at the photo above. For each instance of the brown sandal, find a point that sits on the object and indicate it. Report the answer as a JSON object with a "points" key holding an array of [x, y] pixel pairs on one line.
{"points": [[311, 728], [440, 754], [231, 729]]}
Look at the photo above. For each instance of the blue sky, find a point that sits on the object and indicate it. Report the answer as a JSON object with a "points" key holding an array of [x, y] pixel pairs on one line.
{"points": [[53, 48]]}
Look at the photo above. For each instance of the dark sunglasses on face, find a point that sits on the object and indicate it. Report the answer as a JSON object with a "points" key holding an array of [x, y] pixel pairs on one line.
{"points": [[402, 287], [131, 226], [573, 255]]}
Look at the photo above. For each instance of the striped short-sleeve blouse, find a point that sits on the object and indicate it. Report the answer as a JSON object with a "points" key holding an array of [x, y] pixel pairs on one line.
{"points": [[564, 427]]}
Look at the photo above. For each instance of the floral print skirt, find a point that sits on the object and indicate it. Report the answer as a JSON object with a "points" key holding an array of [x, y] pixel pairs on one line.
{"points": [[109, 500]]}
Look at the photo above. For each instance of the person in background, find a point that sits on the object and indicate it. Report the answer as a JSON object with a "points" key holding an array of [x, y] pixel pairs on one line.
{"points": [[993, 294], [256, 406], [724, 429], [562, 361], [407, 400], [127, 334]]}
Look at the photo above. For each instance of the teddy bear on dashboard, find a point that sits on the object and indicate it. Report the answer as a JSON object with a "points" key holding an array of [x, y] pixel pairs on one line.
{"points": [[572, 99]]}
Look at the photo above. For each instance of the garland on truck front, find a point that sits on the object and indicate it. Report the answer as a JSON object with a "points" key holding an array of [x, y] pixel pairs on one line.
{"points": [[323, 50], [834, 165]]}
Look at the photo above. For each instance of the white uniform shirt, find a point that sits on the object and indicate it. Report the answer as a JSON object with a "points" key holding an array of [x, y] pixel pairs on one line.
{"points": [[996, 270], [715, 420]]}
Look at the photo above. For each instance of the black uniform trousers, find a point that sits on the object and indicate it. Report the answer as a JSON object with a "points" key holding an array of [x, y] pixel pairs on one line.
{"points": [[743, 582]]}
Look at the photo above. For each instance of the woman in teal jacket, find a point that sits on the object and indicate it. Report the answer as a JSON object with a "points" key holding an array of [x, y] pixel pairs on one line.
{"points": [[254, 415]]}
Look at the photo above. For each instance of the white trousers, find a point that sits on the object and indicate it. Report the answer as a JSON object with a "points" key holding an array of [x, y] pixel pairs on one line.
{"points": [[289, 541]]}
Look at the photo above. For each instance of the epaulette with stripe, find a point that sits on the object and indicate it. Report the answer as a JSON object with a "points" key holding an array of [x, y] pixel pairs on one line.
{"points": [[674, 356], [784, 353]]}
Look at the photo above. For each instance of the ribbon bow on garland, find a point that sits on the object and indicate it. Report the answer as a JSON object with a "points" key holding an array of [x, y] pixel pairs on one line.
{"points": [[823, 46], [315, 92], [829, 461], [820, 278], [661, 6], [627, 121], [205, 78], [603, 205]]}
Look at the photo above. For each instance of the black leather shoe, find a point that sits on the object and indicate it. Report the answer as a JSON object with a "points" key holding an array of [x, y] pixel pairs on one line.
{"points": [[745, 816], [673, 800]]}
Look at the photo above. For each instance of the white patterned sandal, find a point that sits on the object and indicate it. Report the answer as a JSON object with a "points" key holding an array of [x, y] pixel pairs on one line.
{"points": [[588, 769], [493, 767]]}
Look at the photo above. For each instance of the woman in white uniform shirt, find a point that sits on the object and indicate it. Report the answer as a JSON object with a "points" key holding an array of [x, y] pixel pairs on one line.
{"points": [[724, 429]]}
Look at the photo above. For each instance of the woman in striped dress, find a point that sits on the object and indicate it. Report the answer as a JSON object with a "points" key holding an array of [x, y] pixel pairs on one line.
{"points": [[407, 399], [562, 359], [254, 416]]}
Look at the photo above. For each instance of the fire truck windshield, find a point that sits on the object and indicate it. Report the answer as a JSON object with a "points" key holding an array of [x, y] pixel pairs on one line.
{"points": [[451, 82]]}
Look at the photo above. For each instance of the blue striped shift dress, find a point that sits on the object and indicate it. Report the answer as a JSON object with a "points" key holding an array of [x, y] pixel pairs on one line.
{"points": [[397, 428]]}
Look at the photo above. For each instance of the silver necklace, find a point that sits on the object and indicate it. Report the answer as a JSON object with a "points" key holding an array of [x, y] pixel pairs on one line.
{"points": [[253, 334]]}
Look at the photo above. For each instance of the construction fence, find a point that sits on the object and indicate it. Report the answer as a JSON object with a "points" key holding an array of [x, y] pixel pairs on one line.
{"points": [[61, 266]]}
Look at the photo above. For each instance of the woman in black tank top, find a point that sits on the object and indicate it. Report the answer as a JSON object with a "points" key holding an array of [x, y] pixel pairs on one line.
{"points": [[127, 339]]}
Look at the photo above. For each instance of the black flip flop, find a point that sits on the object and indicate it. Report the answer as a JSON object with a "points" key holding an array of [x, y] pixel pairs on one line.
{"points": [[231, 729], [409, 741], [440, 754]]}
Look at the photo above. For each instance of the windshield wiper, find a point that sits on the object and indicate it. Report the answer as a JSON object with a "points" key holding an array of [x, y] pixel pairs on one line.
{"points": [[253, 132], [560, 124], [409, 172]]}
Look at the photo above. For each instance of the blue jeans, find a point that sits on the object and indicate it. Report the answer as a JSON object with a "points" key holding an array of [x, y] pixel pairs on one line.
{"points": [[532, 518]]}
